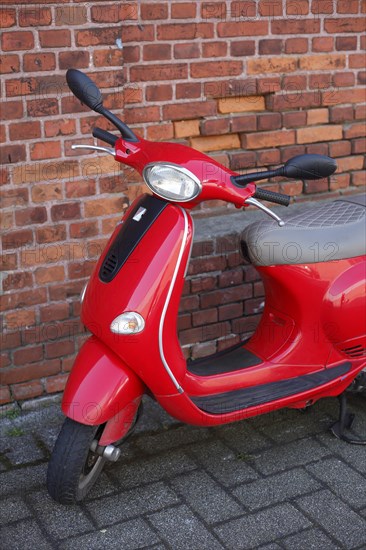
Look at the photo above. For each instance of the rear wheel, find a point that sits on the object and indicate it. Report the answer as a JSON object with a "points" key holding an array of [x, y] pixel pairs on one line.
{"points": [[74, 468]]}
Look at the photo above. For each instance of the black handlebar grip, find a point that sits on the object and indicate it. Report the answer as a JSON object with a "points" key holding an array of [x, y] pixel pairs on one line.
{"points": [[271, 196], [105, 136]]}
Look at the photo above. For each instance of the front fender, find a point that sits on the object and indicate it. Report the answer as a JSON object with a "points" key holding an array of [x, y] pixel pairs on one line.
{"points": [[100, 385]]}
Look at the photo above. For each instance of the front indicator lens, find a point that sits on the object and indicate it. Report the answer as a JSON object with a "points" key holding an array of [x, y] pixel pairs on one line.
{"points": [[172, 182], [129, 322]]}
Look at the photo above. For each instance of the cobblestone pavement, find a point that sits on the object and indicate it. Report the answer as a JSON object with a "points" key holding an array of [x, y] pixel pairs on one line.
{"points": [[280, 481]]}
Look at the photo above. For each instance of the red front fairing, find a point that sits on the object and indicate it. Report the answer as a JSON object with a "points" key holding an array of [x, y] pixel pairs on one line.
{"points": [[150, 283]]}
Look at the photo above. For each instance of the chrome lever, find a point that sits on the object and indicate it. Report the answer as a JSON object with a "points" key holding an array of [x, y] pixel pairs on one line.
{"points": [[108, 150], [261, 206]]}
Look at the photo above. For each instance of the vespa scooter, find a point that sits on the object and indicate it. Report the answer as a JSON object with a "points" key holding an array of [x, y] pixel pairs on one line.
{"points": [[313, 269]]}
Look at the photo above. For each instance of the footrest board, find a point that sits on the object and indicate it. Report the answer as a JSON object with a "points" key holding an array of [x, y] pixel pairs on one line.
{"points": [[227, 402]]}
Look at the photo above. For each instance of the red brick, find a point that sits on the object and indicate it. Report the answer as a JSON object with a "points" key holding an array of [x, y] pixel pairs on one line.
{"points": [[238, 161], [11, 110], [31, 17], [269, 139], [242, 28], [270, 46], [213, 127], [142, 114], [214, 49], [14, 197], [292, 188], [184, 31], [355, 95], [16, 281], [45, 150], [27, 355], [59, 127], [17, 239], [339, 181], [59, 349], [204, 333], [51, 234], [159, 72], [360, 112], [184, 10], [343, 79], [12, 153], [189, 303], [156, 52], [323, 44], [347, 6], [346, 164], [108, 58], [244, 123], [154, 11], [204, 317], [57, 383], [359, 178], [216, 68], [297, 8], [23, 299], [346, 43], [268, 157], [66, 211], [356, 61], [296, 45], [102, 36], [76, 59], [162, 92], [359, 146], [17, 40], [9, 64], [181, 111], [188, 90], [24, 130], [341, 114], [270, 8], [71, 15], [46, 275], [295, 26], [203, 283], [240, 48], [35, 107], [55, 38], [27, 390], [7, 17], [227, 295], [339, 148], [83, 230], [322, 6], [114, 13], [270, 121], [131, 54], [34, 62], [213, 10], [317, 149], [342, 25]]}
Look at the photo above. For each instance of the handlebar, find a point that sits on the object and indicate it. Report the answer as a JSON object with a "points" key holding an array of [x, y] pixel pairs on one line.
{"points": [[103, 135], [271, 196]]}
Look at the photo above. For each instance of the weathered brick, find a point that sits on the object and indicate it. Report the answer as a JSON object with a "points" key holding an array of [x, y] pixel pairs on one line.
{"points": [[269, 139], [216, 143], [186, 128], [272, 65]]}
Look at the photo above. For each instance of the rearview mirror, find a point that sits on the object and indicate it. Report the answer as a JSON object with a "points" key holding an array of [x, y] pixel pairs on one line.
{"points": [[84, 89], [309, 167]]}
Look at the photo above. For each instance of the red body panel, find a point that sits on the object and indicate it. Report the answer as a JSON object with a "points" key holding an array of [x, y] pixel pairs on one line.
{"points": [[312, 314], [99, 386]]}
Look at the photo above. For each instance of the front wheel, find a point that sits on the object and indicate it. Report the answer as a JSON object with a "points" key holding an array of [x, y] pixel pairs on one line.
{"points": [[74, 468]]}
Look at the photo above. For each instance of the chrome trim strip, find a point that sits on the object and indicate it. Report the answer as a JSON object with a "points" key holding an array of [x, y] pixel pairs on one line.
{"points": [[162, 319]]}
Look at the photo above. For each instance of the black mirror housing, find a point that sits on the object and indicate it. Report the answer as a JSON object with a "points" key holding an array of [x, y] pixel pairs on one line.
{"points": [[309, 167]]}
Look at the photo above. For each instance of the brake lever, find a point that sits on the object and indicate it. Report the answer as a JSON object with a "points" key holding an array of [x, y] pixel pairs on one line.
{"points": [[108, 150], [268, 211]]}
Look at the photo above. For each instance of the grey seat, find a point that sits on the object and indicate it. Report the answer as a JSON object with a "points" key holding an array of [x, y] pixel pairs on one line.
{"points": [[333, 231]]}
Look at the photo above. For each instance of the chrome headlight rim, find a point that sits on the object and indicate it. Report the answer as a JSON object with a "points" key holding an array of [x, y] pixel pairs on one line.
{"points": [[179, 168]]}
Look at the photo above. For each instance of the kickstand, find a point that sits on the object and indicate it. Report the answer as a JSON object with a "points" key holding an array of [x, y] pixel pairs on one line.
{"points": [[345, 422]]}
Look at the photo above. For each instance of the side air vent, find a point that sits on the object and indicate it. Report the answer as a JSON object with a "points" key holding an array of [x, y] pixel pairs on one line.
{"points": [[109, 265], [355, 351], [131, 231]]}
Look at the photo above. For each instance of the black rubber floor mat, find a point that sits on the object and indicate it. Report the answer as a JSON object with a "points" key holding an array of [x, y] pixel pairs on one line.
{"points": [[228, 361], [257, 395]]}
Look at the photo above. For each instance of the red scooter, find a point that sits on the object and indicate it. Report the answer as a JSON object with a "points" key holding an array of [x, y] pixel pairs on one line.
{"points": [[310, 342]]}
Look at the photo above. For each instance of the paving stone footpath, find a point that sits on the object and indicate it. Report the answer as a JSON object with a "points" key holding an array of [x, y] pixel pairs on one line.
{"points": [[279, 481]]}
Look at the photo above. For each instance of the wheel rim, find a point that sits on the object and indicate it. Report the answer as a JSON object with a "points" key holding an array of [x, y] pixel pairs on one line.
{"points": [[92, 465]]}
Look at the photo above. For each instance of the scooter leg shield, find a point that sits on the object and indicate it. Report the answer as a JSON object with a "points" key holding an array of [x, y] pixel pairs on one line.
{"points": [[100, 386]]}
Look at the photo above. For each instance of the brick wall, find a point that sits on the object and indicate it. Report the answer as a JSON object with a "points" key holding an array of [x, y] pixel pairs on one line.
{"points": [[251, 83]]}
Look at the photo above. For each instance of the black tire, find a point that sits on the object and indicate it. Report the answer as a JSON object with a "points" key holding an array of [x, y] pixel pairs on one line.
{"points": [[74, 468]]}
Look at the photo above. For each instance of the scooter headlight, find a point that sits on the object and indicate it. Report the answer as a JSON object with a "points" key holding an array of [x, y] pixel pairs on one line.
{"points": [[129, 322], [172, 182]]}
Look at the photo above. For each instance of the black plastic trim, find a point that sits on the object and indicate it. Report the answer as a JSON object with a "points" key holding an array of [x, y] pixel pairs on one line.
{"points": [[129, 236], [258, 395], [230, 360]]}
